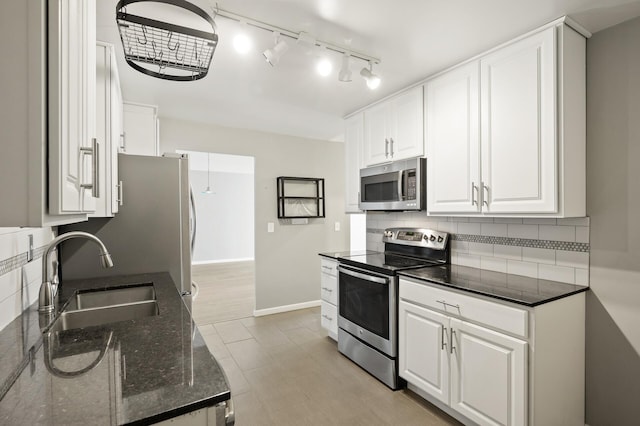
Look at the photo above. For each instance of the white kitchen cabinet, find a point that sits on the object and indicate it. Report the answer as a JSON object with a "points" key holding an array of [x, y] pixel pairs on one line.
{"points": [[393, 129], [140, 129], [73, 156], [25, 161], [453, 140], [507, 137], [329, 295], [353, 133], [493, 362], [108, 128]]}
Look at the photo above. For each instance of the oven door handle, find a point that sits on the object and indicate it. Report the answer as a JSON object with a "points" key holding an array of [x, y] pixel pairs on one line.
{"points": [[362, 276]]}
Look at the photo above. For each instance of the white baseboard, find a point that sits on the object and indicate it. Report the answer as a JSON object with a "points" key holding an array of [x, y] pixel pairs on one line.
{"points": [[285, 308], [207, 262]]}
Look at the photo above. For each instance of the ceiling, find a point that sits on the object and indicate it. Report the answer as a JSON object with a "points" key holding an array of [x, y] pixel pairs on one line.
{"points": [[413, 39]]}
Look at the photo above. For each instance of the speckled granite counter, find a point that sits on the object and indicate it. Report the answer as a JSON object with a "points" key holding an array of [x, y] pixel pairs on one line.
{"points": [[512, 288], [151, 368], [340, 254]]}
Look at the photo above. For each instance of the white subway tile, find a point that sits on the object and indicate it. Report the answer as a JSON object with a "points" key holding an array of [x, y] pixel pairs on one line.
{"points": [[576, 221], [451, 227], [459, 219], [481, 249], [507, 252], [493, 264], [572, 259], [8, 310], [582, 234], [538, 255], [460, 246], [513, 220], [494, 229], [8, 245], [468, 260], [557, 233], [582, 276], [539, 221], [527, 269], [469, 228], [556, 273], [481, 219], [523, 231], [7, 230]]}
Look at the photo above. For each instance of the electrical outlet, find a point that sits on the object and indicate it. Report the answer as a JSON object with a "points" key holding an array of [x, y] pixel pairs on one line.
{"points": [[336, 226], [30, 252], [270, 227]]}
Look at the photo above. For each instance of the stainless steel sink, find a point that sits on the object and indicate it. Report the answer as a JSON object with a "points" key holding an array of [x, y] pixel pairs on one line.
{"points": [[99, 307], [116, 296]]}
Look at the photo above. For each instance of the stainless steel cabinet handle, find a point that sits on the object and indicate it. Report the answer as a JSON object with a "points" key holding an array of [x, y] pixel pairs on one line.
{"points": [[474, 191], [327, 267], [448, 304], [386, 147], [95, 164], [123, 141], [391, 140], [485, 190], [327, 317], [451, 342], [120, 198], [330, 290], [444, 332]]}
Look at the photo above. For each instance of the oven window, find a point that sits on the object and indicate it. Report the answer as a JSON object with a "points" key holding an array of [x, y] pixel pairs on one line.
{"points": [[365, 303]]}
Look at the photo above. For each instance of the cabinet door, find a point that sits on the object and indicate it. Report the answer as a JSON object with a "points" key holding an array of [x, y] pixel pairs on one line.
{"points": [[354, 128], [140, 127], [406, 133], [423, 349], [376, 134], [518, 126], [71, 105], [488, 375], [453, 141], [117, 133]]}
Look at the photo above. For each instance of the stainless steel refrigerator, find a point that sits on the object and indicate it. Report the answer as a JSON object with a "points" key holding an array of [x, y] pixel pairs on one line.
{"points": [[153, 231]]}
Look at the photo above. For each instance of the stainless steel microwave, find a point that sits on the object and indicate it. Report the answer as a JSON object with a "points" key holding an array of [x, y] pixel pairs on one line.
{"points": [[400, 185]]}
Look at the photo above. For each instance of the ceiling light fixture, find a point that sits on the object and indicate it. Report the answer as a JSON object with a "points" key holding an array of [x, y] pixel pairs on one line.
{"points": [[242, 42], [324, 65], [345, 70], [274, 54], [373, 81]]}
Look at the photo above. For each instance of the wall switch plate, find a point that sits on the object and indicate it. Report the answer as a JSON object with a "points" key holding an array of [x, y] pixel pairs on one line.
{"points": [[270, 227], [30, 252], [336, 226]]}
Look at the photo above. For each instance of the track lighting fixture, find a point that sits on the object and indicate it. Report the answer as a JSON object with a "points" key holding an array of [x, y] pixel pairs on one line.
{"points": [[274, 54], [345, 70], [373, 81], [242, 42], [324, 65]]}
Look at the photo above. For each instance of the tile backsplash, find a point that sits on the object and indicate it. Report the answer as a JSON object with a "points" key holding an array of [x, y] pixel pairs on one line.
{"points": [[20, 280], [545, 248]]}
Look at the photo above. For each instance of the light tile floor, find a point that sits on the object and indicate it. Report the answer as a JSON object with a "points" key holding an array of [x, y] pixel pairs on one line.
{"points": [[284, 370]]}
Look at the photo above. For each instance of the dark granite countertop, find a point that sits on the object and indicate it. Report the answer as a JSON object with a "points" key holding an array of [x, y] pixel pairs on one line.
{"points": [[342, 254], [151, 369], [512, 288]]}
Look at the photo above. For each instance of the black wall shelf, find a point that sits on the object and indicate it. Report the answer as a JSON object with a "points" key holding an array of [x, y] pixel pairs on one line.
{"points": [[300, 197]]}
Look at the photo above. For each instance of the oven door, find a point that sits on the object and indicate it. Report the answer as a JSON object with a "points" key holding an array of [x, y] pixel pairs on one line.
{"points": [[367, 307]]}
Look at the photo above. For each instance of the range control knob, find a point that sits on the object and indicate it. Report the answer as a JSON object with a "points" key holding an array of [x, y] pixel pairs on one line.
{"points": [[426, 237], [432, 238], [388, 234], [440, 239]]}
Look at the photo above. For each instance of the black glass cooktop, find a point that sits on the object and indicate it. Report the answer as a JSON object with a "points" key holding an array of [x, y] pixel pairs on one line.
{"points": [[386, 263]]}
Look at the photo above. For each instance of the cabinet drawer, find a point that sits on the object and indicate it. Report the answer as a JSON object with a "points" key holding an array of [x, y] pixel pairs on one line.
{"points": [[329, 267], [329, 317], [329, 288], [495, 315]]}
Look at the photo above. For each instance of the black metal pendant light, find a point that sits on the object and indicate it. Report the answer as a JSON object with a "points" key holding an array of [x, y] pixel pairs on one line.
{"points": [[164, 50]]}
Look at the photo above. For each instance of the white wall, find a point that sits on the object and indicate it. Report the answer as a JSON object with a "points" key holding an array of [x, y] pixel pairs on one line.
{"points": [[613, 202], [19, 280], [286, 261]]}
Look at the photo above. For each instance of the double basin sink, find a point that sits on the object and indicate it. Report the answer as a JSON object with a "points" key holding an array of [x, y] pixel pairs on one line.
{"points": [[98, 307]]}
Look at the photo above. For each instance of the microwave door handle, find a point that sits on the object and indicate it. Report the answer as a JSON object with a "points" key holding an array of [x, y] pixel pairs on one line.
{"points": [[402, 193]]}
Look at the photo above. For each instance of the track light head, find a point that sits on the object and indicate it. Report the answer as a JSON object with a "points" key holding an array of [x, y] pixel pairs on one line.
{"points": [[373, 81], [274, 54], [345, 71]]}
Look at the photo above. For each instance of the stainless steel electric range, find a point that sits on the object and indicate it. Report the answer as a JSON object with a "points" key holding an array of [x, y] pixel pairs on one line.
{"points": [[368, 297]]}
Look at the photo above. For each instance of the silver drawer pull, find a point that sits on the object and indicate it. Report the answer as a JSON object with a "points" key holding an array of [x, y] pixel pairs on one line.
{"points": [[327, 317], [120, 198], [448, 304], [330, 290], [94, 186], [327, 267]]}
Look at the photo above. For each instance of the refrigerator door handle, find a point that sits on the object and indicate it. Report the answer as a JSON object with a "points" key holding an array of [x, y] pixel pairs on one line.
{"points": [[193, 221]]}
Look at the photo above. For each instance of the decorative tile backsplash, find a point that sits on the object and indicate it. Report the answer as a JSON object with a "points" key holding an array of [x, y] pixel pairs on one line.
{"points": [[552, 249]]}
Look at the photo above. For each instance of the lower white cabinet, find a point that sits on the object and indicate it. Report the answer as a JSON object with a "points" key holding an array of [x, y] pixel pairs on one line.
{"points": [[329, 295], [493, 363]]}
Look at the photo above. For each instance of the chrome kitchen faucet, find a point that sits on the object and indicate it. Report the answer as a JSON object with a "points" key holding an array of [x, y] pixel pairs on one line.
{"points": [[46, 298]]}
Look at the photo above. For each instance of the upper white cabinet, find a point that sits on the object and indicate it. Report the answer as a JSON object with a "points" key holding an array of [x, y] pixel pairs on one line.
{"points": [[73, 146], [393, 129], [109, 129], [47, 93], [140, 129], [506, 132], [353, 138]]}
